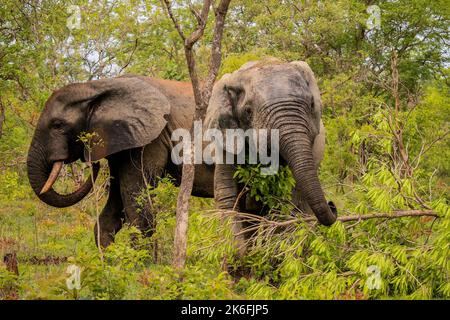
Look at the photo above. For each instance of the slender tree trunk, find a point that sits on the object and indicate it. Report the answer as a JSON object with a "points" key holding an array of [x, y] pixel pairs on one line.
{"points": [[2, 117], [202, 95], [182, 216], [396, 125]]}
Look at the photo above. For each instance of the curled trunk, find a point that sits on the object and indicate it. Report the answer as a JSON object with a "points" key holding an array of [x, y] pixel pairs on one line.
{"points": [[296, 138], [299, 155], [38, 172]]}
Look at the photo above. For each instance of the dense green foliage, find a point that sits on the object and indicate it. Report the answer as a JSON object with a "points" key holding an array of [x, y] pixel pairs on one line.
{"points": [[386, 111], [267, 189]]}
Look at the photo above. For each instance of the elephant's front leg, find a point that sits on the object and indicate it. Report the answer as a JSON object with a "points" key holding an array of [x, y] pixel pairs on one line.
{"points": [[137, 203], [139, 171], [112, 216]]}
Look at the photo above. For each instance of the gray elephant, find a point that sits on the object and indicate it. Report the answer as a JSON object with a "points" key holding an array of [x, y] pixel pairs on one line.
{"points": [[133, 118], [271, 94]]}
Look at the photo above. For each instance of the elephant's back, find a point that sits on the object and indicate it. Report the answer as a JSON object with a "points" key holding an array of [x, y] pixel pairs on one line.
{"points": [[181, 98]]}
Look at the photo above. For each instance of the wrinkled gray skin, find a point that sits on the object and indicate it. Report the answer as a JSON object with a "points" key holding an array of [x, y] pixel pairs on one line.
{"points": [[134, 118], [272, 94]]}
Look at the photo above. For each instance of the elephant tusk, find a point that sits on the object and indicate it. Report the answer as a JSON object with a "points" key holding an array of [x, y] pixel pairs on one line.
{"points": [[57, 166]]}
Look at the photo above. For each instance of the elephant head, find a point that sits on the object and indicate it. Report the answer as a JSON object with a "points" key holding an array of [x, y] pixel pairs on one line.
{"points": [[124, 113], [272, 94]]}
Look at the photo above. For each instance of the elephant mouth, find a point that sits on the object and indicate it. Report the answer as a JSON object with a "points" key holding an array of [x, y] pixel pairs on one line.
{"points": [[55, 171], [43, 171], [56, 167]]}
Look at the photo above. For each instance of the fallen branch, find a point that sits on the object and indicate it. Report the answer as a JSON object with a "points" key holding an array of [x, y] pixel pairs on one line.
{"points": [[393, 215], [294, 220], [268, 227], [48, 260]]}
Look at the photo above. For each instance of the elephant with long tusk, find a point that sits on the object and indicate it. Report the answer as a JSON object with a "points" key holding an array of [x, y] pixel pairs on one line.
{"points": [[133, 118]]}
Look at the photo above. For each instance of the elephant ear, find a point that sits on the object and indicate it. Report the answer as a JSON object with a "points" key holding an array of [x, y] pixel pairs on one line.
{"points": [[308, 75], [126, 112], [220, 106], [219, 114]]}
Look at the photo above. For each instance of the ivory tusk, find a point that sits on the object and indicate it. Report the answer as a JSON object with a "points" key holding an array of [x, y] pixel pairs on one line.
{"points": [[52, 177]]}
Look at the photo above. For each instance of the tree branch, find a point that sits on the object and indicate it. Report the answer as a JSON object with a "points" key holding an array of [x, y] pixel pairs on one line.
{"points": [[130, 57], [295, 220], [216, 50], [168, 7], [196, 14], [189, 42], [394, 215], [201, 97], [201, 20], [430, 145]]}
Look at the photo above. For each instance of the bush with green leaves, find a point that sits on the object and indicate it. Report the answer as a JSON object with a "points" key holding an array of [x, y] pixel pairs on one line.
{"points": [[378, 258], [271, 189]]}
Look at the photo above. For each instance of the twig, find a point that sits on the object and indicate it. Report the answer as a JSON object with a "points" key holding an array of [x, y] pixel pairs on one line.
{"points": [[174, 20], [393, 215], [130, 57], [430, 145]]}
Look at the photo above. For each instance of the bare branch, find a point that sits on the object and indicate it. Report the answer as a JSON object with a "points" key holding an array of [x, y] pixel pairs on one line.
{"points": [[168, 7], [196, 14], [394, 215], [216, 50], [189, 42], [201, 20], [130, 57], [294, 220], [429, 146]]}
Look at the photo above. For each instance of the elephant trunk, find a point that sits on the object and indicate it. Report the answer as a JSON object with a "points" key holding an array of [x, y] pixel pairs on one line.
{"points": [[296, 137], [42, 174]]}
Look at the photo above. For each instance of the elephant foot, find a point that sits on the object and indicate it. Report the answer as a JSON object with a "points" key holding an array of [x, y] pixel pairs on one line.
{"points": [[106, 236]]}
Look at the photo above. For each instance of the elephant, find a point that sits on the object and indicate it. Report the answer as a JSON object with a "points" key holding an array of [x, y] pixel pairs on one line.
{"points": [[132, 118], [273, 94]]}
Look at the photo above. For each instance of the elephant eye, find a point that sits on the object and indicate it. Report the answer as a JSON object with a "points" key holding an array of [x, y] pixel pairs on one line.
{"points": [[233, 94], [57, 124]]}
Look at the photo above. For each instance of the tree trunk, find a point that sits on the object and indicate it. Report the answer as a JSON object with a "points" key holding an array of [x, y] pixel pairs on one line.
{"points": [[2, 117], [201, 96]]}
